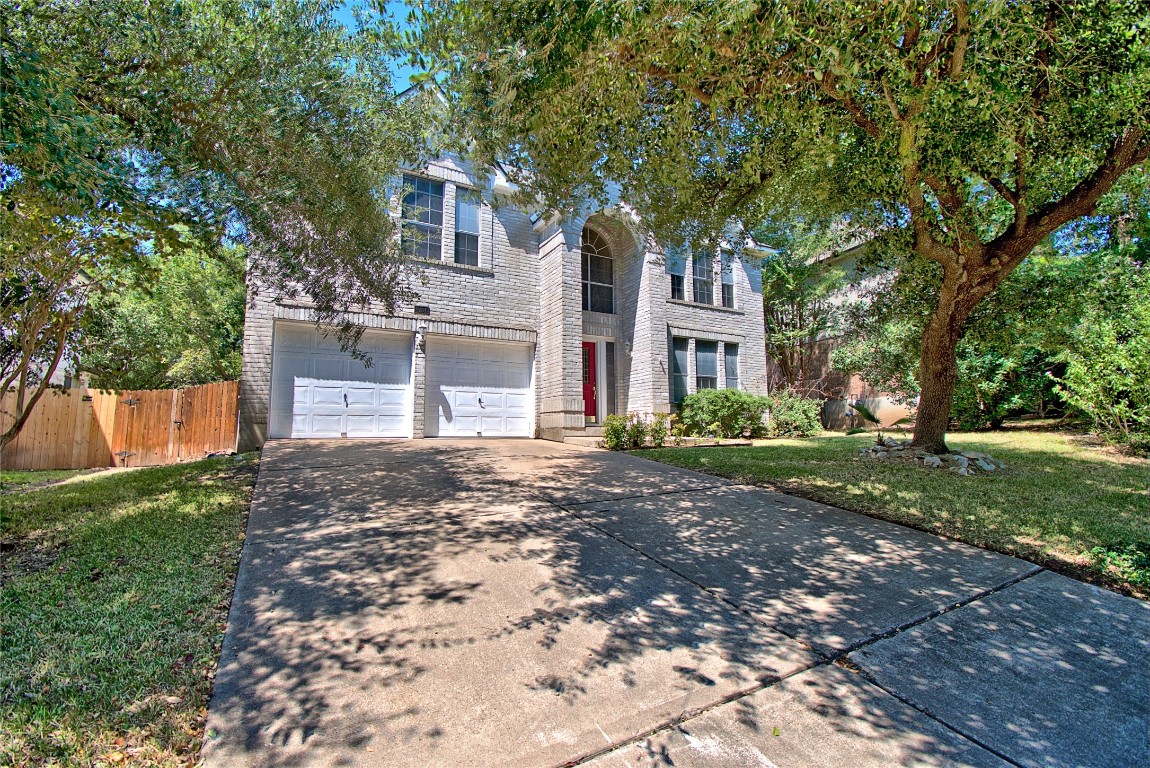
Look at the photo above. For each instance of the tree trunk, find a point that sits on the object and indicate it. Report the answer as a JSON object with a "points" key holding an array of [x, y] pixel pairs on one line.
{"points": [[938, 370]]}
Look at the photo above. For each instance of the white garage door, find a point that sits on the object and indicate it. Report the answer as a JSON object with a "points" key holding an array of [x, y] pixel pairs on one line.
{"points": [[319, 391], [478, 388]]}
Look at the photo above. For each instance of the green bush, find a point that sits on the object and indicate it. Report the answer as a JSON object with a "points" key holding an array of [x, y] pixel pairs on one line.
{"points": [[794, 416], [615, 433], [636, 431], [723, 413], [658, 429], [1107, 354], [993, 385], [1108, 370]]}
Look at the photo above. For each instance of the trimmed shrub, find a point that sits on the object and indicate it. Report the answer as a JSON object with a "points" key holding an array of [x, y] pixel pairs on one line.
{"points": [[658, 429], [636, 431], [615, 433], [794, 416], [723, 413]]}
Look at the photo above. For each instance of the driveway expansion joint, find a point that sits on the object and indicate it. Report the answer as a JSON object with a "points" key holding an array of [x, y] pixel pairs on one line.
{"points": [[929, 617], [690, 714], [655, 494], [858, 670], [840, 659]]}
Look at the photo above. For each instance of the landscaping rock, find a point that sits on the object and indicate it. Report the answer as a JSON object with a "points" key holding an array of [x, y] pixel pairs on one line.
{"points": [[964, 463]]}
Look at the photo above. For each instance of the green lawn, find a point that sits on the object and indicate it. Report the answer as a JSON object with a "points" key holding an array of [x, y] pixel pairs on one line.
{"points": [[114, 602], [16, 480], [1055, 502]]}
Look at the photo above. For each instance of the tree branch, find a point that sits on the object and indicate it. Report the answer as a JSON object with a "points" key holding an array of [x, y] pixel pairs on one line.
{"points": [[851, 106], [628, 56], [1129, 149]]}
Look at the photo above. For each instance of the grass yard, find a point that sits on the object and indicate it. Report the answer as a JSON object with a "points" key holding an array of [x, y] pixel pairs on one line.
{"points": [[1056, 501], [18, 480], [114, 600]]}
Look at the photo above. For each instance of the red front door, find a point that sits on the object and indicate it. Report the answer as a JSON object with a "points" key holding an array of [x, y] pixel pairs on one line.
{"points": [[590, 401]]}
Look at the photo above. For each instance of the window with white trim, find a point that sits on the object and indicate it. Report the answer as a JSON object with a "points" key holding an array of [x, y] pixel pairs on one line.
{"points": [[706, 364], [731, 365], [680, 348], [467, 203], [703, 271], [728, 279], [676, 267], [598, 274], [421, 232]]}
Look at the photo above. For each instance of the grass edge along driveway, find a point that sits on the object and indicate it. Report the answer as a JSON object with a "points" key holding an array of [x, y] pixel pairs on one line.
{"points": [[114, 600], [1079, 510]]}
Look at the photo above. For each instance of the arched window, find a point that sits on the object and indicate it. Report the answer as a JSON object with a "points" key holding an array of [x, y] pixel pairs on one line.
{"points": [[598, 273]]}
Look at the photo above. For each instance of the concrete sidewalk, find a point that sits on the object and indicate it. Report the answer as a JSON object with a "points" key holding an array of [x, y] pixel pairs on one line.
{"points": [[520, 602]]}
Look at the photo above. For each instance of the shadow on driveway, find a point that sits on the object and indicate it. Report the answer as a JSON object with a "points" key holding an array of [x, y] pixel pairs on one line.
{"points": [[525, 603]]}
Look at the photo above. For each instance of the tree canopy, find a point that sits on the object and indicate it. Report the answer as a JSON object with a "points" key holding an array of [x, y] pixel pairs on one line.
{"points": [[130, 126], [963, 132]]}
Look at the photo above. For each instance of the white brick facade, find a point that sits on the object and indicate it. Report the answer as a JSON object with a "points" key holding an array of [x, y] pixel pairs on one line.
{"points": [[527, 289]]}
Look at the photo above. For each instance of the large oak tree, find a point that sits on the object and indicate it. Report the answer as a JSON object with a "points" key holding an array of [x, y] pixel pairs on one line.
{"points": [[965, 131]]}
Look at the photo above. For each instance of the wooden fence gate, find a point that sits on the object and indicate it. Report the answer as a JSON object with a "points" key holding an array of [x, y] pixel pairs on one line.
{"points": [[80, 428]]}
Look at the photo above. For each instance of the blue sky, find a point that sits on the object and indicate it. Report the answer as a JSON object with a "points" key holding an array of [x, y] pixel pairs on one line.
{"points": [[397, 10]]}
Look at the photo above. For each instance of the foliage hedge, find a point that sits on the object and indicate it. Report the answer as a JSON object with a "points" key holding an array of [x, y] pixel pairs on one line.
{"points": [[732, 413], [724, 413], [794, 416]]}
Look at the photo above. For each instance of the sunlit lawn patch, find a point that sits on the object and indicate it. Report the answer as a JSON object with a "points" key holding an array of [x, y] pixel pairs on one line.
{"points": [[1056, 501], [115, 595]]}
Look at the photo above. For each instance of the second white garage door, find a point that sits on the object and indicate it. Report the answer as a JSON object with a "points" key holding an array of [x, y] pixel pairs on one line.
{"points": [[478, 388]]}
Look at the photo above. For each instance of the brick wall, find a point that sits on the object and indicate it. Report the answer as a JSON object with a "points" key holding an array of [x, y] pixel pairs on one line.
{"points": [[527, 288]]}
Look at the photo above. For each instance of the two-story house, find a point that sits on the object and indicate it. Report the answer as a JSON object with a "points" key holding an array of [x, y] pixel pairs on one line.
{"points": [[528, 326]]}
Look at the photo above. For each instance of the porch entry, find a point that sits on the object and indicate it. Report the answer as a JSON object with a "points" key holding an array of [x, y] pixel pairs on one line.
{"points": [[598, 380], [590, 384]]}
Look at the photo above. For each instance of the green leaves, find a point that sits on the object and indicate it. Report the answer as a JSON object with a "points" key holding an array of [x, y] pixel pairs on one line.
{"points": [[263, 122], [865, 413]]}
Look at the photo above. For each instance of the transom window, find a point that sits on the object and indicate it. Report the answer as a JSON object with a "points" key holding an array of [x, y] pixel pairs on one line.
{"points": [[598, 274], [704, 278], [422, 227], [467, 203]]}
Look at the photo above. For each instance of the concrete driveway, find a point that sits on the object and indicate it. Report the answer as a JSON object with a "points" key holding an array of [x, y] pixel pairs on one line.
{"points": [[518, 602]]}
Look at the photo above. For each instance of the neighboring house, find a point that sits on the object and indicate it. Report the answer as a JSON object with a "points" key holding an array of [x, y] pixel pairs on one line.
{"points": [[838, 390], [527, 326]]}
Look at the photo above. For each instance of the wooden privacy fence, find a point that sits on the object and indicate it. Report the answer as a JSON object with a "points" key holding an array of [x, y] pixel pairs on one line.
{"points": [[81, 428]]}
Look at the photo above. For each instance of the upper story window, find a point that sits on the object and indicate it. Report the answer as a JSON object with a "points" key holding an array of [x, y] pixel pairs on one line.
{"points": [[598, 274], [728, 279], [467, 202], [704, 278], [706, 364], [676, 267], [422, 226]]}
